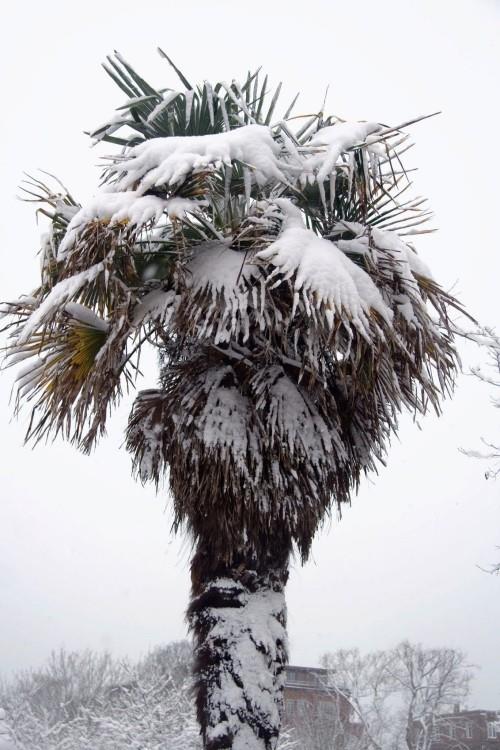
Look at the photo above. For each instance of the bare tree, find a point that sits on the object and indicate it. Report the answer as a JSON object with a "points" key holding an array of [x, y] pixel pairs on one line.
{"points": [[400, 697], [288, 740], [68, 681], [325, 725], [5, 735], [431, 682], [89, 701], [487, 338], [364, 681], [490, 452]]}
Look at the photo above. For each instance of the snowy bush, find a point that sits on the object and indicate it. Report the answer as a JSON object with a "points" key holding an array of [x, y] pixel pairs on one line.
{"points": [[84, 701]]}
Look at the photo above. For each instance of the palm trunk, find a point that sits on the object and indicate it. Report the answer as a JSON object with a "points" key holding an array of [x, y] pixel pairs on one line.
{"points": [[238, 617]]}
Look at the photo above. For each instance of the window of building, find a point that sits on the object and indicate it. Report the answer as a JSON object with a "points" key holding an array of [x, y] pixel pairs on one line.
{"points": [[492, 732], [290, 706], [468, 730], [302, 706], [442, 729], [326, 708]]}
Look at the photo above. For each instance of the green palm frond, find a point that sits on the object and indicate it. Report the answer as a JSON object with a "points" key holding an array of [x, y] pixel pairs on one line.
{"points": [[199, 110]]}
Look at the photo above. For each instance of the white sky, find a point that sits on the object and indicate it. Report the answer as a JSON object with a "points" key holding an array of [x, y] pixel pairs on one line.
{"points": [[86, 557]]}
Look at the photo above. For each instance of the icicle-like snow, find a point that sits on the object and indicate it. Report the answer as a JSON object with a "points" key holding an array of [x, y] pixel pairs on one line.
{"points": [[223, 275], [157, 305]]}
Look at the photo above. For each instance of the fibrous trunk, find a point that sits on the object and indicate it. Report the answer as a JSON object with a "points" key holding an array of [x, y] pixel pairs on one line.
{"points": [[238, 617]]}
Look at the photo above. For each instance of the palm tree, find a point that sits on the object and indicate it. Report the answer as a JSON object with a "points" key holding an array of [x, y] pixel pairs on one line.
{"points": [[267, 260]]}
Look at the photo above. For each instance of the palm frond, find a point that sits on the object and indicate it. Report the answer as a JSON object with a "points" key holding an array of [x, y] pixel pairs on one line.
{"points": [[72, 374], [262, 256]]}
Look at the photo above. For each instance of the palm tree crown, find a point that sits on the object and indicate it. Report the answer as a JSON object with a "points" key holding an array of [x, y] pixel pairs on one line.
{"points": [[267, 258]]}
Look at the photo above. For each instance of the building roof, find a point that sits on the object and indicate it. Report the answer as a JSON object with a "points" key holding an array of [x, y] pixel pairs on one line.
{"points": [[307, 678]]}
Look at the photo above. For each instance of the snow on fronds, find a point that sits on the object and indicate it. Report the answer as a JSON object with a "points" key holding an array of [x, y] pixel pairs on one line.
{"points": [[276, 412], [404, 255], [147, 431], [221, 286], [14, 306], [66, 211], [221, 425], [268, 443], [368, 239], [294, 420], [130, 207], [325, 281], [85, 316], [167, 100], [241, 657], [177, 207], [111, 126], [168, 161], [397, 265], [59, 295], [160, 305], [223, 421], [331, 142]]}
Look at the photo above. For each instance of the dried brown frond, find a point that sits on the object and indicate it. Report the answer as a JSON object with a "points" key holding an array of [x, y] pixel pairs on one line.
{"points": [[72, 374]]}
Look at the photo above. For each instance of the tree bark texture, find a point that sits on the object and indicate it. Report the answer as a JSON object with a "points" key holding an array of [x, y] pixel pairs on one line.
{"points": [[238, 618]]}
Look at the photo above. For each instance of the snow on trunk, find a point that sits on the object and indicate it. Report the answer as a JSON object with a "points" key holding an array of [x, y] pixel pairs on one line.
{"points": [[238, 616]]}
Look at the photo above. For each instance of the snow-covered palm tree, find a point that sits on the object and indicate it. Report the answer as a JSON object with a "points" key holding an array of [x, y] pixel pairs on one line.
{"points": [[267, 258]]}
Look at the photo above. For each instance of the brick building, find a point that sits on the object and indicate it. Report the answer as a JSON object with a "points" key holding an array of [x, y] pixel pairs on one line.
{"points": [[313, 705], [467, 730], [323, 716]]}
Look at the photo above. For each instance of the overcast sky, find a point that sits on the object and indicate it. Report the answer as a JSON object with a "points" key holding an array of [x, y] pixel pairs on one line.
{"points": [[86, 555]]}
